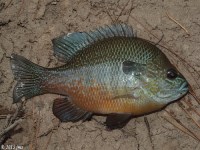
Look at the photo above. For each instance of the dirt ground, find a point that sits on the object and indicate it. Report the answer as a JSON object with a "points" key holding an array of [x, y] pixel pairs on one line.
{"points": [[27, 28]]}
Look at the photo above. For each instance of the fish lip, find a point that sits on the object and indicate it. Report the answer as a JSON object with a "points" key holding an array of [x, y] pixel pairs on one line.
{"points": [[165, 96], [183, 87]]}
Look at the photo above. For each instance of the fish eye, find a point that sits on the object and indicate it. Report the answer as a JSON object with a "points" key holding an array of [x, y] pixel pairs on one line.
{"points": [[171, 74]]}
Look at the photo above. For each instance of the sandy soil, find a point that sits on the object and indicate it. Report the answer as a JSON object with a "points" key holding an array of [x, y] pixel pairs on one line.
{"points": [[27, 27]]}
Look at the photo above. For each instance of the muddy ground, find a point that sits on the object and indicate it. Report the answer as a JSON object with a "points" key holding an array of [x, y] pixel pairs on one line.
{"points": [[27, 27]]}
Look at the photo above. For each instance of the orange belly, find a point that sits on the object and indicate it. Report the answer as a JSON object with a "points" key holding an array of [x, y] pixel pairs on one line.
{"points": [[106, 105], [98, 100]]}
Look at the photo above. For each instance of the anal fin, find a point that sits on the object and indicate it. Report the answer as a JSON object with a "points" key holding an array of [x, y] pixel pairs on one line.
{"points": [[114, 121], [66, 111]]}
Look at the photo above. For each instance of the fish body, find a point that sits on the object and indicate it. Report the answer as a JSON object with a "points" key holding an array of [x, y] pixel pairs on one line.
{"points": [[107, 71], [95, 79]]}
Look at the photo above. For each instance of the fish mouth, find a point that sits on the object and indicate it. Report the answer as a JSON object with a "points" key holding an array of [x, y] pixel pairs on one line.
{"points": [[183, 88], [176, 92]]}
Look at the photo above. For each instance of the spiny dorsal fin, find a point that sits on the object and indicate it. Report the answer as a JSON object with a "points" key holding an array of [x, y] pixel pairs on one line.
{"points": [[66, 46]]}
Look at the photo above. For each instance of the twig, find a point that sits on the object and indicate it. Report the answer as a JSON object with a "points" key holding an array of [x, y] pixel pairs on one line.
{"points": [[123, 8], [10, 127], [49, 139], [17, 112], [39, 120], [181, 126], [149, 131], [103, 124], [191, 106], [63, 142], [6, 130], [50, 130], [3, 116], [187, 112], [8, 4], [20, 9], [45, 133], [170, 17], [8, 119], [37, 8], [34, 118], [194, 95], [108, 13], [131, 9], [11, 122]]}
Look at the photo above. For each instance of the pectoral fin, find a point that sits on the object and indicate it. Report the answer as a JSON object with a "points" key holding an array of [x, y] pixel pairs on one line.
{"points": [[114, 121], [66, 111]]}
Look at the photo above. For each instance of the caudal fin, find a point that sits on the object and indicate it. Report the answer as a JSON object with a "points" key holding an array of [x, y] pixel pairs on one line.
{"points": [[29, 77]]}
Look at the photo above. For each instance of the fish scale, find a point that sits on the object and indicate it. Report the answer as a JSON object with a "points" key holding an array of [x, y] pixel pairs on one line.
{"points": [[101, 66]]}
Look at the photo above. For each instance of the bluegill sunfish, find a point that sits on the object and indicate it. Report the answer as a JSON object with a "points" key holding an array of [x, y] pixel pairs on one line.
{"points": [[107, 71]]}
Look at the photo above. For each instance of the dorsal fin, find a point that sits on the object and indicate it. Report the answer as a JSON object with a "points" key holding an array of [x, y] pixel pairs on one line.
{"points": [[66, 46]]}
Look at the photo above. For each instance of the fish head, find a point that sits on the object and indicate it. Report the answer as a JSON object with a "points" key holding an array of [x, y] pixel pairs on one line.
{"points": [[163, 82]]}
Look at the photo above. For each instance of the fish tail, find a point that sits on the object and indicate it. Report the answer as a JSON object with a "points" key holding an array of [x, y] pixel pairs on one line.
{"points": [[29, 76]]}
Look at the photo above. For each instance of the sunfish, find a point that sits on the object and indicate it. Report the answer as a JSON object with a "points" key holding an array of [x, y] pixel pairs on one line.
{"points": [[107, 71]]}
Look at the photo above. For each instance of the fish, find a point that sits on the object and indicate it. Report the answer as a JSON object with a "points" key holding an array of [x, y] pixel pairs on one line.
{"points": [[107, 71]]}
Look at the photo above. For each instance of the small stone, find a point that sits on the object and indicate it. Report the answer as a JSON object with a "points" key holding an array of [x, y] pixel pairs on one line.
{"points": [[54, 3]]}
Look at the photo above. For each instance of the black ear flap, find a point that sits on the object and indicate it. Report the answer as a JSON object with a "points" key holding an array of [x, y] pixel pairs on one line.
{"points": [[130, 67]]}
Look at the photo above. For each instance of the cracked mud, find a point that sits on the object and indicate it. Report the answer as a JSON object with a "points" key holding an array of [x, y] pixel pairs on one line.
{"points": [[27, 27]]}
